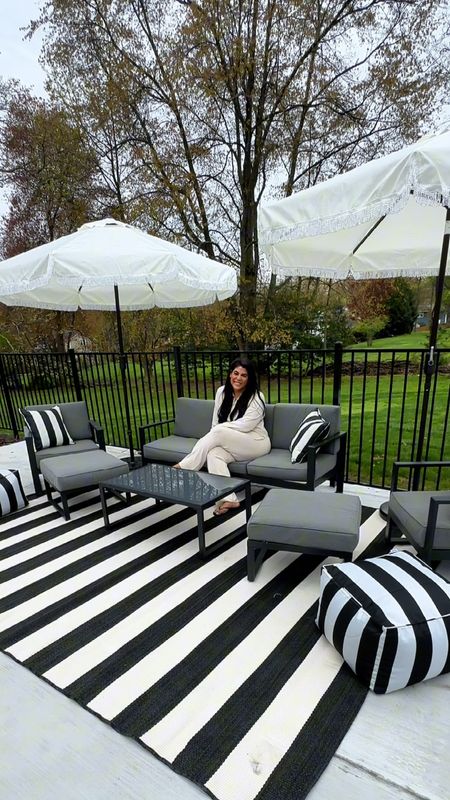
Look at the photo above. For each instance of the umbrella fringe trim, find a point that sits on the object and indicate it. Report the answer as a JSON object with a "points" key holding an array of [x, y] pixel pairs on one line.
{"points": [[123, 307], [28, 286], [319, 272], [392, 205]]}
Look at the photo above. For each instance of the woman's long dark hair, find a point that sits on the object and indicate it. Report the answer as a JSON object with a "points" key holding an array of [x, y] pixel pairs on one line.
{"points": [[249, 392]]}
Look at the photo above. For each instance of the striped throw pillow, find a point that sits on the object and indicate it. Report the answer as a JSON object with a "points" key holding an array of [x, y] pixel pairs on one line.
{"points": [[389, 618], [47, 427], [312, 430], [12, 495]]}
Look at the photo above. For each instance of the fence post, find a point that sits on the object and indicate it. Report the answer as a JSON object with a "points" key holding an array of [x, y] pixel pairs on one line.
{"points": [[75, 375], [178, 371], [337, 374], [9, 405]]}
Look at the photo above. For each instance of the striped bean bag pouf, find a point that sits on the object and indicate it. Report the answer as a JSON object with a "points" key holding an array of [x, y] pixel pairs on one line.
{"points": [[12, 495], [389, 618]]}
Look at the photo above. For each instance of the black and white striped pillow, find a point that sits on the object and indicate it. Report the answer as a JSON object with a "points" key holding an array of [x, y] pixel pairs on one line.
{"points": [[389, 618], [12, 495], [47, 427], [312, 430]]}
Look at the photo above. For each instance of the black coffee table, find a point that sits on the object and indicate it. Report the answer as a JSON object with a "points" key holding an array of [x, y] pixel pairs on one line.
{"points": [[197, 490]]}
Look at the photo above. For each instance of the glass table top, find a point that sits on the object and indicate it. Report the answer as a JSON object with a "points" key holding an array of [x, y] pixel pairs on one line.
{"points": [[175, 485]]}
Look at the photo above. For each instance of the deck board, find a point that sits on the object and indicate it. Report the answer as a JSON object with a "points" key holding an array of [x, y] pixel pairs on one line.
{"points": [[398, 747]]}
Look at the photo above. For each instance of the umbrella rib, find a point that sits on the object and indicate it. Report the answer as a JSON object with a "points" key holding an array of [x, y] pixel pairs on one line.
{"points": [[369, 233]]}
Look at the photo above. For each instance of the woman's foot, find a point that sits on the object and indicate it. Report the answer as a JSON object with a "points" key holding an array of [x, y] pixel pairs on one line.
{"points": [[226, 506]]}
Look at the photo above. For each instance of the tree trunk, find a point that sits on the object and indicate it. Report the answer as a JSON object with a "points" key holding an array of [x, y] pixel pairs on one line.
{"points": [[249, 265]]}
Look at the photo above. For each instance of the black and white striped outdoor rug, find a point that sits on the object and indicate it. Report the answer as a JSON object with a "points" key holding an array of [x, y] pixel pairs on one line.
{"points": [[229, 682]]}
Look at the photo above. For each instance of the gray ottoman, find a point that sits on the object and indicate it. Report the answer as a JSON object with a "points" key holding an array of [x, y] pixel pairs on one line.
{"points": [[78, 471], [304, 522]]}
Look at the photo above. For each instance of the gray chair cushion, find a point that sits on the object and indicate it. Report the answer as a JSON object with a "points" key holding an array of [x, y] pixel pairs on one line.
{"points": [[318, 520], [170, 449], [409, 510], [277, 464], [193, 417], [288, 416], [81, 470], [81, 446], [75, 417]]}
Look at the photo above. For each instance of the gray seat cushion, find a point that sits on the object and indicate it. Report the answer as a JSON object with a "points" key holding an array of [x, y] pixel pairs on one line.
{"points": [[277, 464], [238, 468], [409, 510], [82, 469], [170, 449], [318, 520], [82, 446]]}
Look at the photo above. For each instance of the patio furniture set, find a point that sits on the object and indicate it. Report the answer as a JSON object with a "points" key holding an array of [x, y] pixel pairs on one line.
{"points": [[70, 455], [281, 522]]}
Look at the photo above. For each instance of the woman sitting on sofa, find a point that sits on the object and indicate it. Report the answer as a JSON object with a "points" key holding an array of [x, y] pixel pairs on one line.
{"points": [[237, 431]]}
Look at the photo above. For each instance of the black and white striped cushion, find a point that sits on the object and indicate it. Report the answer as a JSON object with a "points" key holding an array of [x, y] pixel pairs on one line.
{"points": [[47, 427], [389, 618], [313, 429], [12, 496]]}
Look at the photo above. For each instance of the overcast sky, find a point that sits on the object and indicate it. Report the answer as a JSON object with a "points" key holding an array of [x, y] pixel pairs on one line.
{"points": [[19, 57]]}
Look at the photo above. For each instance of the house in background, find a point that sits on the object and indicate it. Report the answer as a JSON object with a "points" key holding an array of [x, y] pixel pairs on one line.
{"points": [[423, 318]]}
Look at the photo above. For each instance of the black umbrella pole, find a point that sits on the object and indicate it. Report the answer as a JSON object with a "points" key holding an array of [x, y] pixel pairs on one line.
{"points": [[123, 369], [430, 365]]}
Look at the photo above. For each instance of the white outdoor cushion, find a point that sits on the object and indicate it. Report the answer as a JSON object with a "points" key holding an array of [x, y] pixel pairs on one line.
{"points": [[47, 427], [313, 429], [12, 495]]}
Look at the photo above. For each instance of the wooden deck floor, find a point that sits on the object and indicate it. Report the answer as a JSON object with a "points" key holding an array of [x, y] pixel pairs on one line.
{"points": [[50, 747]]}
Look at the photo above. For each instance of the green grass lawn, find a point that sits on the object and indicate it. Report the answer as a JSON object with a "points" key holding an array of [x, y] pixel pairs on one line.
{"points": [[411, 341]]}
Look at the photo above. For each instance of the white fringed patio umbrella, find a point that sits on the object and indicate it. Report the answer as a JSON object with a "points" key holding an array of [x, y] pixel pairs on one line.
{"points": [[385, 219], [110, 266]]}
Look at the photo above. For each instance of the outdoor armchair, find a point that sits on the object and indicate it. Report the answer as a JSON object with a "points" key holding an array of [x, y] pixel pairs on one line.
{"points": [[422, 517], [85, 433]]}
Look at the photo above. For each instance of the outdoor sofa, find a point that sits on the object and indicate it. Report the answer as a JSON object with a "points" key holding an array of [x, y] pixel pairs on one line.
{"points": [[325, 461]]}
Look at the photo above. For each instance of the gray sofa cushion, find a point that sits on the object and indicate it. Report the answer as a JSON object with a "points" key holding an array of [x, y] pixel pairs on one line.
{"points": [[411, 510], [238, 468], [277, 464], [82, 469], [75, 417], [82, 446], [288, 416], [268, 418], [169, 449], [193, 417], [319, 520]]}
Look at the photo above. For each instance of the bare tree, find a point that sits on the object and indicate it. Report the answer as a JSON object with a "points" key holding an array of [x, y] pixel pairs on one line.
{"points": [[222, 102]]}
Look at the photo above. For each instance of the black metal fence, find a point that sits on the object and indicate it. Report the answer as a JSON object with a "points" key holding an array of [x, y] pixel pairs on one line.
{"points": [[380, 393]]}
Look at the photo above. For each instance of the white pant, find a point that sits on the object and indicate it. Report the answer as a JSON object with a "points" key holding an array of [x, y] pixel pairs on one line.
{"points": [[222, 445]]}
